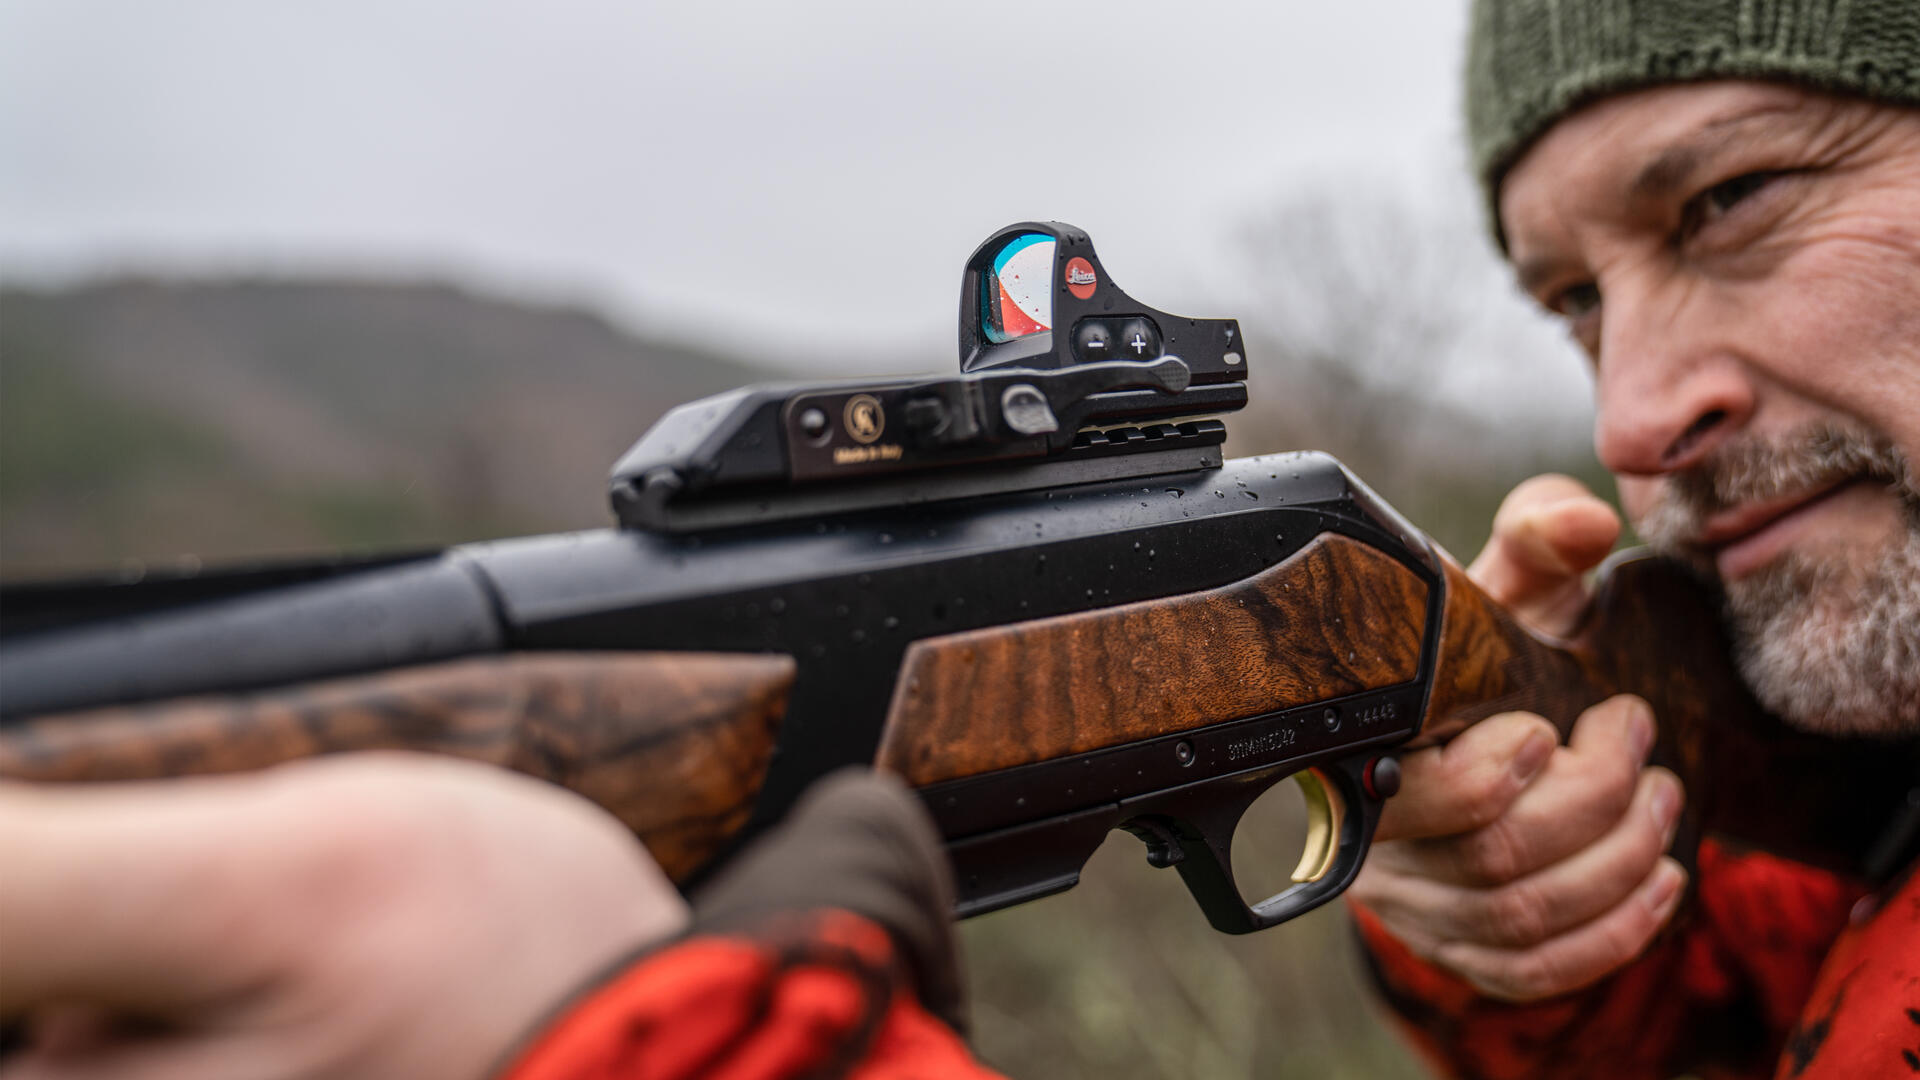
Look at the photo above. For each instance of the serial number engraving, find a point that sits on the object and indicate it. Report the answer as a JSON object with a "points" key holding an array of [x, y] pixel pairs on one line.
{"points": [[1260, 744], [1376, 714]]}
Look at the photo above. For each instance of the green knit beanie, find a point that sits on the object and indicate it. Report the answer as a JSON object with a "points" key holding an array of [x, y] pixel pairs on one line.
{"points": [[1531, 62]]}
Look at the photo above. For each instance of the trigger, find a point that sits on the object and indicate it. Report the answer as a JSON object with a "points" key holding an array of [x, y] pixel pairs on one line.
{"points": [[1324, 814]]}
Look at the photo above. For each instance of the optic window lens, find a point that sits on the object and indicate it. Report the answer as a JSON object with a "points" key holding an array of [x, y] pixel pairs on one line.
{"points": [[1017, 297]]}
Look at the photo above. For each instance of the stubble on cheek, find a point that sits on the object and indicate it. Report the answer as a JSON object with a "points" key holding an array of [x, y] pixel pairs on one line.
{"points": [[1829, 644]]}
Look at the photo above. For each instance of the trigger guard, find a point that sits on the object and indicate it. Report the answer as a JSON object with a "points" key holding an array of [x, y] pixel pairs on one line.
{"points": [[1207, 868]]}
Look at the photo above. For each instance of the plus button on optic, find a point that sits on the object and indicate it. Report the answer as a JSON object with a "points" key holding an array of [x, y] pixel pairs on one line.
{"points": [[1140, 340]]}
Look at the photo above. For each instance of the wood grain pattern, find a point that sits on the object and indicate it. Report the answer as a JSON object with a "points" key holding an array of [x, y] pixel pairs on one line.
{"points": [[676, 745], [1337, 617], [1654, 630]]}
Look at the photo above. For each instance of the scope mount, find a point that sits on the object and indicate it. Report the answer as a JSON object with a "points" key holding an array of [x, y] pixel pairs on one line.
{"points": [[1064, 378]]}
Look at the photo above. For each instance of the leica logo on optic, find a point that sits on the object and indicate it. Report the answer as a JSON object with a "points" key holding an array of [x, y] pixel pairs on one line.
{"points": [[1081, 280]]}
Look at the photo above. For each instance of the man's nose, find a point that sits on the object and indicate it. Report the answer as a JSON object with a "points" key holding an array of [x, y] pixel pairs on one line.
{"points": [[1665, 398]]}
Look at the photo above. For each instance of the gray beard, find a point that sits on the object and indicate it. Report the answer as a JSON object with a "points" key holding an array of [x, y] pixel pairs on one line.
{"points": [[1829, 652], [1830, 646]]}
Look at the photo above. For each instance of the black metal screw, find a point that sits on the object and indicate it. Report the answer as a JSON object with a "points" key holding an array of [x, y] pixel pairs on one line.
{"points": [[813, 423], [1332, 718], [1183, 752]]}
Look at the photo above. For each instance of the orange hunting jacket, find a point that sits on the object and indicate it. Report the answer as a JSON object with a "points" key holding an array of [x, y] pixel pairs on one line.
{"points": [[821, 995], [1774, 969]]}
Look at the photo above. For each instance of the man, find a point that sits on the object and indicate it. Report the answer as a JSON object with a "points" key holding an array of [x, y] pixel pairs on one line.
{"points": [[1722, 201]]}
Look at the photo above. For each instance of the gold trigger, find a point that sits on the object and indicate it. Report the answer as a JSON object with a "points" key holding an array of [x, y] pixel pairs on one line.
{"points": [[1325, 809]]}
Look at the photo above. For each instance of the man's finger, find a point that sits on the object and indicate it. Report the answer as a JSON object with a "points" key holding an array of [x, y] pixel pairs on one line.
{"points": [[1578, 957], [1470, 781], [1576, 799], [1548, 902], [1581, 794], [1547, 533]]}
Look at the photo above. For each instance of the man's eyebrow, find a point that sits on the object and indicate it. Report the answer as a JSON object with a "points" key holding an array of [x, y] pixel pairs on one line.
{"points": [[1672, 168]]}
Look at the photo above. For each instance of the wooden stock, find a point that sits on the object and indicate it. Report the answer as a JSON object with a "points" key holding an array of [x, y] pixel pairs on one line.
{"points": [[675, 745], [1337, 617], [1655, 631]]}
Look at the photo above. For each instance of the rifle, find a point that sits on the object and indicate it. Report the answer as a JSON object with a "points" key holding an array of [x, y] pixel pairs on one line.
{"points": [[1034, 590]]}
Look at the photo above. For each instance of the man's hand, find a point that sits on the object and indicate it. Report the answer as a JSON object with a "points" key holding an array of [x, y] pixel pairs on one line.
{"points": [[364, 916], [1529, 868]]}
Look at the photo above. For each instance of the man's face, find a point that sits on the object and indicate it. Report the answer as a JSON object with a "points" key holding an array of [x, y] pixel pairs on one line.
{"points": [[1741, 263]]}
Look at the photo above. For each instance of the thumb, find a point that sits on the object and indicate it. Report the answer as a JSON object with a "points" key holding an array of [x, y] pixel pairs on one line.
{"points": [[1548, 532]]}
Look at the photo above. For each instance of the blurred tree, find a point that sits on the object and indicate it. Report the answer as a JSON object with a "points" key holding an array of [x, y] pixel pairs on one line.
{"points": [[1388, 333]]}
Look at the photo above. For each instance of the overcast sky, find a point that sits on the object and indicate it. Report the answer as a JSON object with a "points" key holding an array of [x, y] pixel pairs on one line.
{"points": [[794, 177]]}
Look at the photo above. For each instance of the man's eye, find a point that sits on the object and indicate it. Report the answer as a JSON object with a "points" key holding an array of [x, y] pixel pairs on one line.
{"points": [[1720, 199], [1577, 301], [1724, 195]]}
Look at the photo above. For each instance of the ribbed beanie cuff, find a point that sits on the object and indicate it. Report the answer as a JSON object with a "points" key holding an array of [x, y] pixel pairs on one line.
{"points": [[1531, 62]]}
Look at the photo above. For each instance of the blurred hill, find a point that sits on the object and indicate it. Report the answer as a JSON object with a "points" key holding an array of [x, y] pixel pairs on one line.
{"points": [[149, 419]]}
